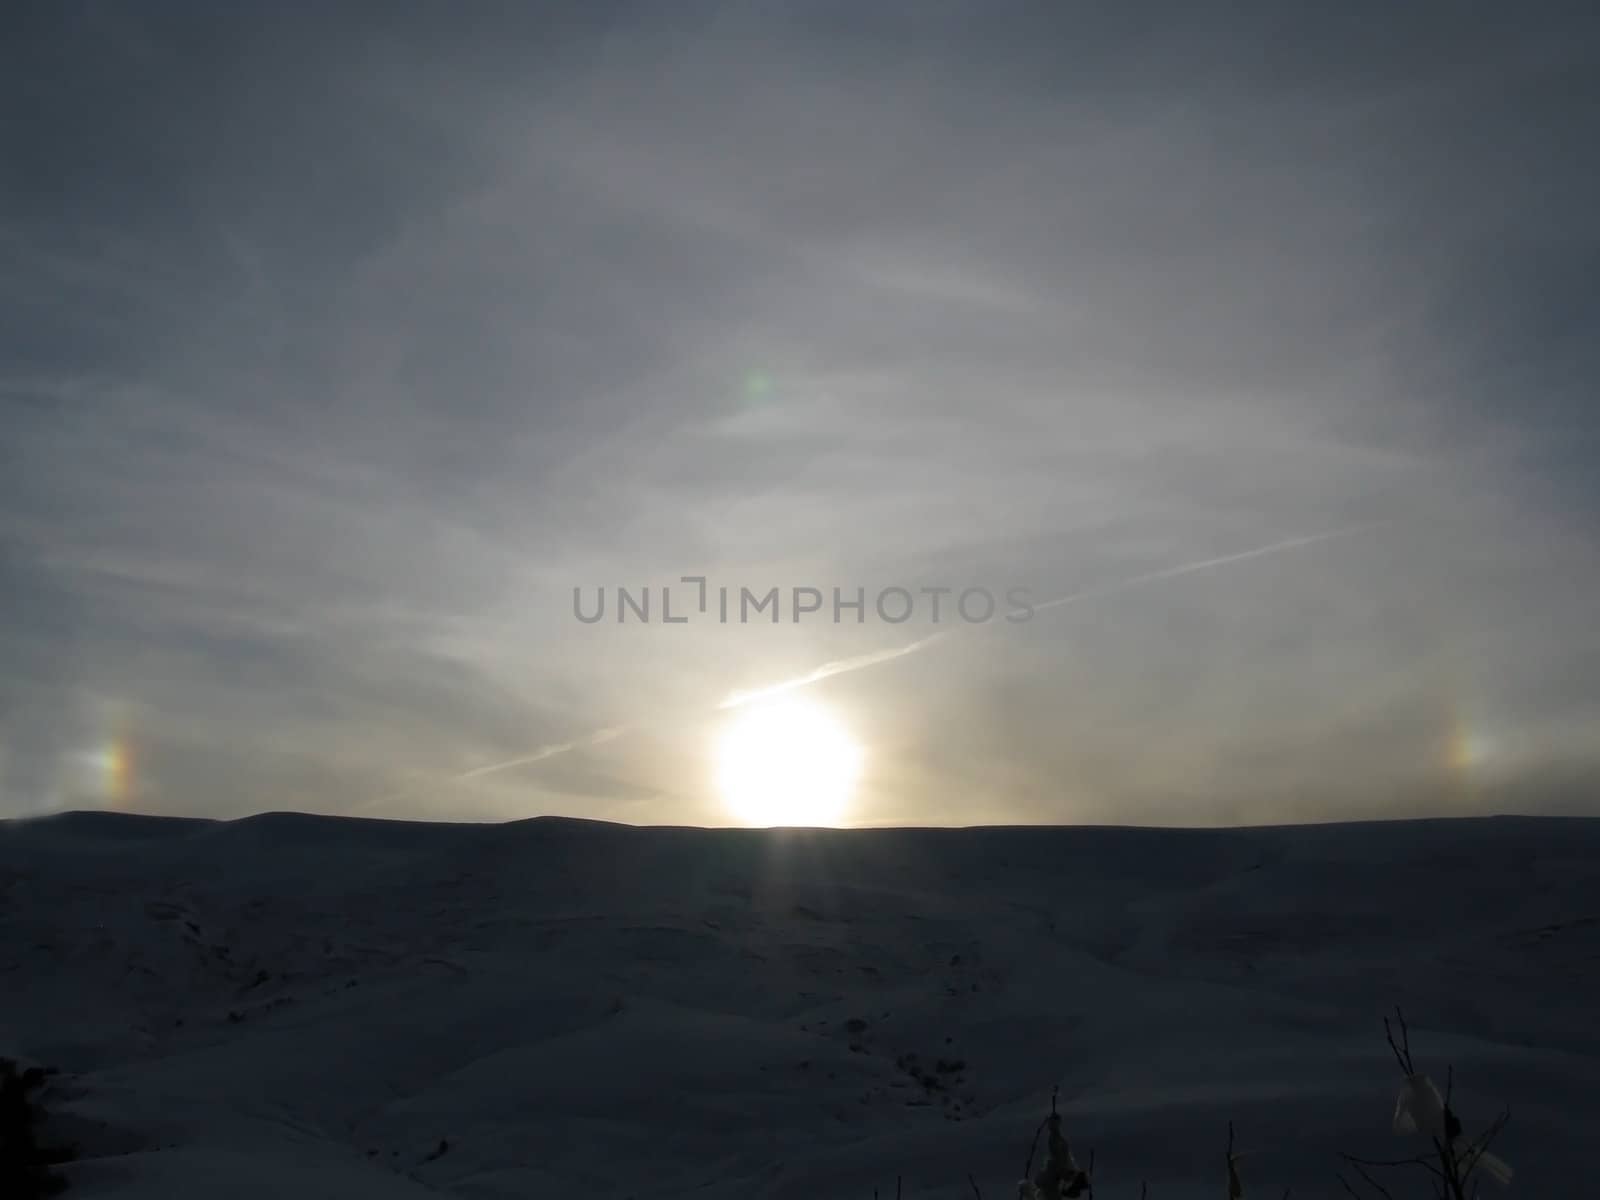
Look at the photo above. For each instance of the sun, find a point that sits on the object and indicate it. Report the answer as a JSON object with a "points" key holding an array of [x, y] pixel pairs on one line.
{"points": [[787, 762]]}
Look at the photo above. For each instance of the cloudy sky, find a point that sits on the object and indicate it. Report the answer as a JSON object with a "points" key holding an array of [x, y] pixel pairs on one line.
{"points": [[340, 343]]}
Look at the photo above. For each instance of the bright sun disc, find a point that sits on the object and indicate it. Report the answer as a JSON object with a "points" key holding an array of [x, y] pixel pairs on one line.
{"points": [[787, 762]]}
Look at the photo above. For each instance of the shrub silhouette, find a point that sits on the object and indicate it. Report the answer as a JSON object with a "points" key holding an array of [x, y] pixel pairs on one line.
{"points": [[25, 1172], [1454, 1160]]}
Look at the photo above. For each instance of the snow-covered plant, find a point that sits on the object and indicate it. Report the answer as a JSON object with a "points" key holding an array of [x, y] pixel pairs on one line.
{"points": [[1421, 1110], [1060, 1175]]}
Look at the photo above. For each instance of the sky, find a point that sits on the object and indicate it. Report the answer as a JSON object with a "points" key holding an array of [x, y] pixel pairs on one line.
{"points": [[350, 352]]}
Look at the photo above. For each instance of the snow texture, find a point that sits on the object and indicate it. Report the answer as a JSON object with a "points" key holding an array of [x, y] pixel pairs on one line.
{"points": [[307, 1006]]}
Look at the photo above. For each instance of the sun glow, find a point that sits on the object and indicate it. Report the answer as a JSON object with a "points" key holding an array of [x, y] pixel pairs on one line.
{"points": [[787, 761]]}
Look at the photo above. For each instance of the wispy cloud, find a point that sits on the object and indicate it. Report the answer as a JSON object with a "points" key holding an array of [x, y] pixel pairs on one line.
{"points": [[336, 359]]}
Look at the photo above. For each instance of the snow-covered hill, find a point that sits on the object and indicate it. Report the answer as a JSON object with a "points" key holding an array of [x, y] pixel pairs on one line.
{"points": [[309, 1006]]}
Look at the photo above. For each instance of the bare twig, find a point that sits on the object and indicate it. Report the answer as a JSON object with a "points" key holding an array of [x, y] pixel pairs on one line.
{"points": [[1027, 1169], [1402, 1051], [1473, 1154], [974, 1184], [1415, 1160], [1235, 1186], [1370, 1181]]}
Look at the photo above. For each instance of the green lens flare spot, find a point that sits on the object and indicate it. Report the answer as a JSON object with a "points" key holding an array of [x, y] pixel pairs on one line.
{"points": [[757, 387]]}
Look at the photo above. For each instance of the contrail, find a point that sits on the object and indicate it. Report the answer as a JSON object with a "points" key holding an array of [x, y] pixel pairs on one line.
{"points": [[738, 699], [1203, 565], [827, 670], [594, 739], [862, 661], [874, 658], [599, 737]]}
